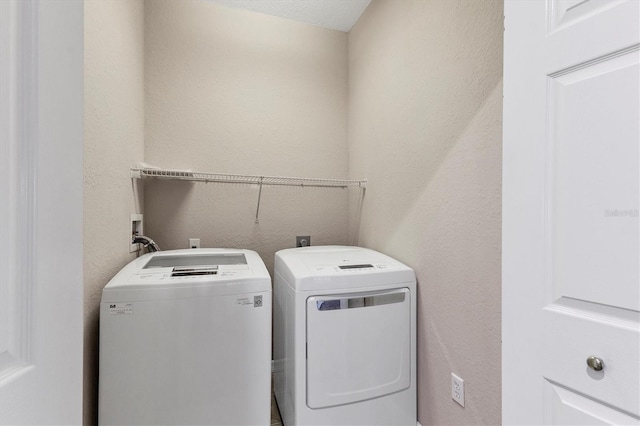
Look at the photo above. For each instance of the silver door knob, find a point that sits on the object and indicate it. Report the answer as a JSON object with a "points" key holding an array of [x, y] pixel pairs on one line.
{"points": [[595, 363]]}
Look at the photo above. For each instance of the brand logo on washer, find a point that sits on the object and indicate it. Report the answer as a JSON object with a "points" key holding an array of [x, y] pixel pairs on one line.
{"points": [[257, 301]]}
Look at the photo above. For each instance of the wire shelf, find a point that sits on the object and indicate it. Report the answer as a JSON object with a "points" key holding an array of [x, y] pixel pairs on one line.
{"points": [[138, 172], [145, 171]]}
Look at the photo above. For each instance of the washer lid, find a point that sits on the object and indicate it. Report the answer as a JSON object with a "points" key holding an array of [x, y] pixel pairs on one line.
{"points": [[198, 259], [191, 273]]}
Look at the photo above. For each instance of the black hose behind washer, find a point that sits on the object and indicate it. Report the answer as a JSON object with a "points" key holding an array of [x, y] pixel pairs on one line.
{"points": [[146, 242]]}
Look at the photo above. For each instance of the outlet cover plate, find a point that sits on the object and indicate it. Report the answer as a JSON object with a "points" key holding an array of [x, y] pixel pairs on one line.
{"points": [[136, 226], [457, 389]]}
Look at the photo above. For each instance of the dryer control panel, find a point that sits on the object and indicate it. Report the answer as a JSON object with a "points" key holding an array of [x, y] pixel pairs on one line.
{"points": [[353, 268]]}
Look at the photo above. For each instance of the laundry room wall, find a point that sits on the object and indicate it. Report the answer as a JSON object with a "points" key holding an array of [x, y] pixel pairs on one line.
{"points": [[232, 91], [113, 140], [425, 93]]}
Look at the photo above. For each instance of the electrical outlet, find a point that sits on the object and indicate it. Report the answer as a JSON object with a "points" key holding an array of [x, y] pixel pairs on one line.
{"points": [[303, 240], [457, 389], [194, 243], [136, 229]]}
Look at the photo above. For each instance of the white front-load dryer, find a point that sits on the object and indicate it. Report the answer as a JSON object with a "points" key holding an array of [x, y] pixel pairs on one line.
{"points": [[344, 337], [185, 339]]}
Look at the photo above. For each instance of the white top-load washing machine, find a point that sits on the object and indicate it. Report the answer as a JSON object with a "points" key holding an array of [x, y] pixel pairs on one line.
{"points": [[185, 338], [344, 337]]}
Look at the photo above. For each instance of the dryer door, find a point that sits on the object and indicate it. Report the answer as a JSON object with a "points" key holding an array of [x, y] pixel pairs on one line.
{"points": [[358, 346]]}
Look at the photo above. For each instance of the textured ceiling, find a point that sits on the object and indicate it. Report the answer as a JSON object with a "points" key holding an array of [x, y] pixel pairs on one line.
{"points": [[334, 14]]}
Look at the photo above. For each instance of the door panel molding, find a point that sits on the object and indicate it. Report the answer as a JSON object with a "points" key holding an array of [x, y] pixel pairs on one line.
{"points": [[19, 116], [591, 149], [563, 13], [609, 27], [564, 406]]}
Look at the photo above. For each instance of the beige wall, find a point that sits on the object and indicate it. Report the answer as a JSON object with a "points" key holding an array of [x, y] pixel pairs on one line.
{"points": [[425, 105], [114, 139], [410, 99], [231, 91]]}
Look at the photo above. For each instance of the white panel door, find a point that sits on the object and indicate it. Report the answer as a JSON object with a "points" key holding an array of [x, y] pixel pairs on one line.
{"points": [[571, 182], [41, 306]]}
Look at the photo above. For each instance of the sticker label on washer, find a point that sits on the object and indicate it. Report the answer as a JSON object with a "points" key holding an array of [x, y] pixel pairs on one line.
{"points": [[121, 309], [256, 301]]}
